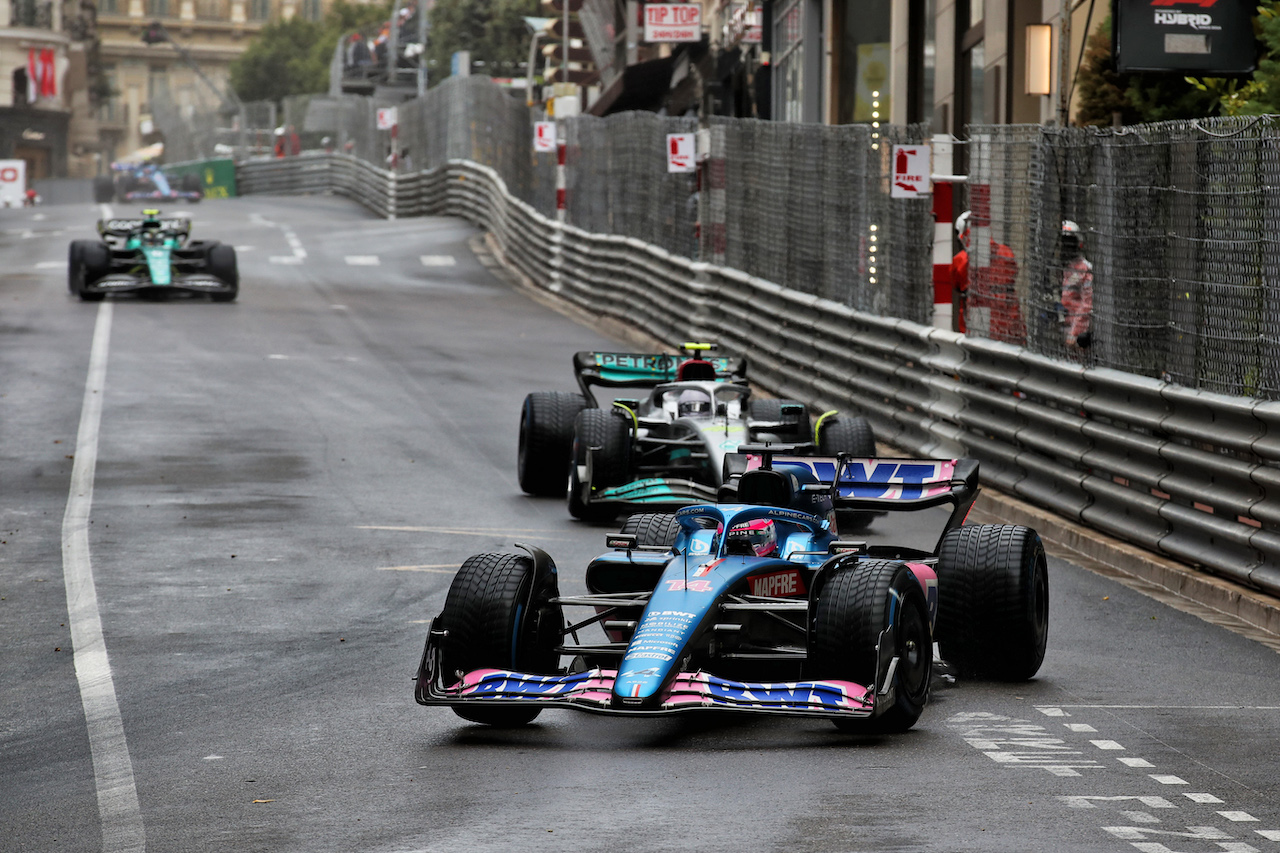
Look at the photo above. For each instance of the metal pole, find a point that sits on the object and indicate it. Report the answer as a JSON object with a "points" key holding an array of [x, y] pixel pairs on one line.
{"points": [[564, 65], [1064, 64], [421, 40]]}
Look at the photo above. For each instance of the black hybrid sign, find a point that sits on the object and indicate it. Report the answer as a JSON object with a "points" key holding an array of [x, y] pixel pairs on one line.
{"points": [[1201, 36]]}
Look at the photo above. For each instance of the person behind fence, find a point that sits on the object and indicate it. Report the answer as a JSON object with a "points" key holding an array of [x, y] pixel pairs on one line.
{"points": [[986, 293], [1077, 289]]}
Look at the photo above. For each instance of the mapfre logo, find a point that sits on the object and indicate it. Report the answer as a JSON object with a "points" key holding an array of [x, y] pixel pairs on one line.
{"points": [[1203, 4]]}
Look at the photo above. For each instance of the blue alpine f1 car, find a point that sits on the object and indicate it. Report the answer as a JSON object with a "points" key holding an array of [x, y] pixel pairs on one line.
{"points": [[757, 606], [667, 449]]}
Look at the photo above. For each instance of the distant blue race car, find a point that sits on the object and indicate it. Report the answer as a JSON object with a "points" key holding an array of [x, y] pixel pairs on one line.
{"points": [[757, 606]]}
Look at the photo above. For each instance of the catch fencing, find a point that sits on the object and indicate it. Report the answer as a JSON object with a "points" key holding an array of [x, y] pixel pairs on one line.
{"points": [[1179, 223], [1177, 218]]}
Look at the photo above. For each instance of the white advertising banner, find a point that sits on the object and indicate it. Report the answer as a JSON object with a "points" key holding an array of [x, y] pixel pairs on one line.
{"points": [[13, 182]]}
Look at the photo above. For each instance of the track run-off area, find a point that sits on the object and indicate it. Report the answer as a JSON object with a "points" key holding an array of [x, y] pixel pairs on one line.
{"points": [[224, 529]]}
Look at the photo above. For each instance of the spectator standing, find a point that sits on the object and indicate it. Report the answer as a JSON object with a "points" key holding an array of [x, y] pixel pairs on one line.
{"points": [[1077, 289], [992, 287], [295, 142]]}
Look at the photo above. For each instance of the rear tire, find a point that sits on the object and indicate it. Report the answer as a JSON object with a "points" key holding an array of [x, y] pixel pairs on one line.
{"points": [[611, 466], [222, 264], [492, 621], [993, 601], [843, 434], [854, 606], [546, 440], [840, 434], [104, 189], [652, 528]]}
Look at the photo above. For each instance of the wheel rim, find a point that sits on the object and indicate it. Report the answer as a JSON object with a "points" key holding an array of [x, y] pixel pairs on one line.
{"points": [[914, 651], [522, 451]]}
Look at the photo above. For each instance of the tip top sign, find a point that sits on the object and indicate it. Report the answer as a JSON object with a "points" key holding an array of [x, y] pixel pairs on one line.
{"points": [[672, 22]]}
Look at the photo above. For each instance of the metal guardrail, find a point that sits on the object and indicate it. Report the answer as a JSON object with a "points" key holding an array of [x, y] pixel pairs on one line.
{"points": [[1181, 472]]}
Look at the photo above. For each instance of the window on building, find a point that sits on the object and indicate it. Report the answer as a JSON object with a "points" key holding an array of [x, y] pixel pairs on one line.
{"points": [[311, 10], [788, 40], [864, 62], [922, 59], [108, 7], [212, 10], [259, 10], [157, 85], [159, 8]]}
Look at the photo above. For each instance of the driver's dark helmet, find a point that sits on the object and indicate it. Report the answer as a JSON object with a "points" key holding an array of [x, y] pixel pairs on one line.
{"points": [[693, 404]]}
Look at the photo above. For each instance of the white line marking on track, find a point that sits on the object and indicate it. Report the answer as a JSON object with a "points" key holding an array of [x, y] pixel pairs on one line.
{"points": [[1141, 817], [441, 569], [285, 259], [1106, 744], [1134, 762], [121, 816], [51, 265], [1164, 779], [1239, 817], [363, 261], [1053, 712], [1080, 727], [437, 260], [1202, 798], [1269, 834]]}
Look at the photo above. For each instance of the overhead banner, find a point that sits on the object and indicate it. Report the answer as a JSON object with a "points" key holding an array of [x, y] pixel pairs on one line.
{"points": [[672, 22], [1200, 36]]}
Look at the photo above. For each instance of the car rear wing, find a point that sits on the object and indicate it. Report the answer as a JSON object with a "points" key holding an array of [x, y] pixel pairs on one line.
{"points": [[125, 227], [648, 370], [870, 484]]}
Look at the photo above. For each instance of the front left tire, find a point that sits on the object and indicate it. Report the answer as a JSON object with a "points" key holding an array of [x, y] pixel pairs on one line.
{"points": [[499, 614]]}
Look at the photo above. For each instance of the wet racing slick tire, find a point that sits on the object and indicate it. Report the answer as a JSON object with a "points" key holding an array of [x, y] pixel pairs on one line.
{"points": [[104, 189], [546, 440], [492, 621], [222, 264], [993, 601], [796, 429], [75, 264], [611, 465], [88, 260], [652, 528], [854, 605], [846, 434]]}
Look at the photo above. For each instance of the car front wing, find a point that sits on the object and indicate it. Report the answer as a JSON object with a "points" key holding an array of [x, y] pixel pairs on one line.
{"points": [[592, 691]]}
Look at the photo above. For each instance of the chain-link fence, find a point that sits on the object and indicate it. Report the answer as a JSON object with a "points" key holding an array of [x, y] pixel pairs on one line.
{"points": [[1173, 272], [808, 206], [1178, 230]]}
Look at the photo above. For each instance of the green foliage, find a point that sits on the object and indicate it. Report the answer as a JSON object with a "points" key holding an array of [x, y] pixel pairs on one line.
{"points": [[292, 57], [1137, 97], [493, 30]]}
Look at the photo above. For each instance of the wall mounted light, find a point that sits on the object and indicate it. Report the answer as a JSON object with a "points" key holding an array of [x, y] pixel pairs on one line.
{"points": [[1039, 58]]}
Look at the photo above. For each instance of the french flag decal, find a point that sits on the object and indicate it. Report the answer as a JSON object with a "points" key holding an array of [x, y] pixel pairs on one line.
{"points": [[705, 569]]}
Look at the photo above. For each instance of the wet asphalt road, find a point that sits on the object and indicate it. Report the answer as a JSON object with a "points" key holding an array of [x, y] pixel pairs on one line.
{"points": [[283, 488]]}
